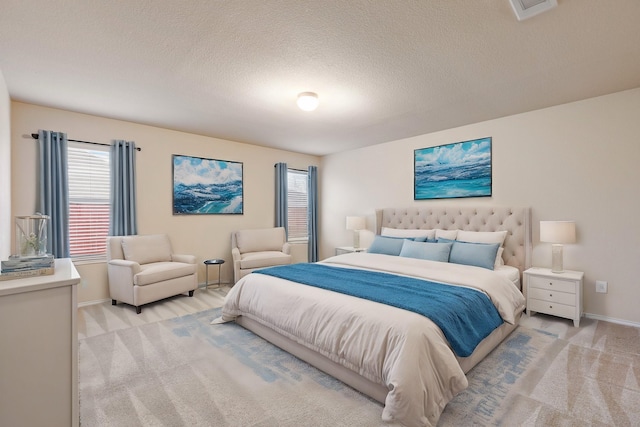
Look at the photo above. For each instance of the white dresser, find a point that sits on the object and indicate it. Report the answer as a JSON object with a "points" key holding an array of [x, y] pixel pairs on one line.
{"points": [[39, 349], [558, 294]]}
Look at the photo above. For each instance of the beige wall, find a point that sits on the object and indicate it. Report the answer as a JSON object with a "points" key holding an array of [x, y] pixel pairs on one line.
{"points": [[579, 161], [5, 170], [576, 161], [206, 236]]}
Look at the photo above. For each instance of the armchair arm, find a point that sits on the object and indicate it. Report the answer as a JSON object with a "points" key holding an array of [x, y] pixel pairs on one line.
{"points": [[188, 259], [124, 265], [286, 248], [121, 271], [235, 254]]}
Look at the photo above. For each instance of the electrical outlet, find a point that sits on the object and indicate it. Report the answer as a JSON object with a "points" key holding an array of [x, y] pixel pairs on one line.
{"points": [[601, 286]]}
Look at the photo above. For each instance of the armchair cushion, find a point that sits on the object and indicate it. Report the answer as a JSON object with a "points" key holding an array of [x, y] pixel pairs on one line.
{"points": [[268, 239], [159, 271], [264, 259], [147, 249]]}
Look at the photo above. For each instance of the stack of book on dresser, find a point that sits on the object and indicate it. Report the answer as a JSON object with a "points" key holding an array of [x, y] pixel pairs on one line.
{"points": [[20, 267]]}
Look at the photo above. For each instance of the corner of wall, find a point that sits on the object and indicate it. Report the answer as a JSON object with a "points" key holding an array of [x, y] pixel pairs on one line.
{"points": [[5, 170]]}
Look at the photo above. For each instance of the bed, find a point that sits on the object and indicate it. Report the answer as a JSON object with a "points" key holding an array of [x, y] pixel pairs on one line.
{"points": [[398, 357]]}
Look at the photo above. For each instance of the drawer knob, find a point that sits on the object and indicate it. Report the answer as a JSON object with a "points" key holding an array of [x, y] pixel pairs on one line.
{"points": [[550, 306], [550, 283], [550, 295]]}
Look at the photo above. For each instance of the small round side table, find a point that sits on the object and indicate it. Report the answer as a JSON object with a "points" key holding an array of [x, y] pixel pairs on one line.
{"points": [[209, 262]]}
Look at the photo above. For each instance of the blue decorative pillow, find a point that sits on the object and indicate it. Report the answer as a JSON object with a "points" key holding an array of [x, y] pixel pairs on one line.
{"points": [[386, 245], [443, 240], [476, 254], [424, 250]]}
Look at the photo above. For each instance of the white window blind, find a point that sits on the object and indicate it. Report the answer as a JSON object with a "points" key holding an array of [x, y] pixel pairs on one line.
{"points": [[88, 202], [297, 205]]}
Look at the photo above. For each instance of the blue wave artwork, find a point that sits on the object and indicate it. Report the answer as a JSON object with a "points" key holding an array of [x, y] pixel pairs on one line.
{"points": [[461, 169], [206, 186]]}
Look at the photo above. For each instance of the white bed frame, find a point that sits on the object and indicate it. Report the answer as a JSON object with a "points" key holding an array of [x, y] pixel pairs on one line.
{"points": [[517, 253]]}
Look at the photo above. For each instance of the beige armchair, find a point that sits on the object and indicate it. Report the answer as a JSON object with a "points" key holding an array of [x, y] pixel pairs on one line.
{"points": [[258, 248], [143, 269]]}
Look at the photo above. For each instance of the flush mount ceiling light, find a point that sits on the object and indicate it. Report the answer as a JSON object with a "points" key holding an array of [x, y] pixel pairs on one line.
{"points": [[307, 101]]}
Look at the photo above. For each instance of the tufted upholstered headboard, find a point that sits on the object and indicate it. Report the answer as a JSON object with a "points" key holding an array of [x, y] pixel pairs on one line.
{"points": [[516, 220]]}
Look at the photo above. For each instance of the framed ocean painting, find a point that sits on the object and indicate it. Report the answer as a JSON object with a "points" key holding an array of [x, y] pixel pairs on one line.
{"points": [[206, 186], [460, 169]]}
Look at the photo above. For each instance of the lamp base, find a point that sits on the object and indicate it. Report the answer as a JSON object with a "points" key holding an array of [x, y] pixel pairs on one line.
{"points": [[556, 258], [356, 239]]}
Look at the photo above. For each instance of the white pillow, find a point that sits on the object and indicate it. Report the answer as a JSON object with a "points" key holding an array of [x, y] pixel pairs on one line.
{"points": [[482, 236], [499, 260], [402, 232], [446, 234]]}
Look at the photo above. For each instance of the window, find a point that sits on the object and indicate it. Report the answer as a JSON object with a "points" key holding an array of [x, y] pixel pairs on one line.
{"points": [[297, 202], [88, 202]]}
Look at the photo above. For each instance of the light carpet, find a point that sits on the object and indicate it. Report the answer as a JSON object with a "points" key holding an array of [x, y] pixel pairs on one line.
{"points": [[186, 372]]}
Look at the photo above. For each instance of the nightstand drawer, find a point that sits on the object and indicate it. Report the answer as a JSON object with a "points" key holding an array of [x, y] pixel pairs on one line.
{"points": [[551, 295], [555, 309], [552, 284]]}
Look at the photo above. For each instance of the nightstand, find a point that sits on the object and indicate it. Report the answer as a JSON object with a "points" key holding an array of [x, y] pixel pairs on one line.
{"points": [[348, 249], [558, 294]]}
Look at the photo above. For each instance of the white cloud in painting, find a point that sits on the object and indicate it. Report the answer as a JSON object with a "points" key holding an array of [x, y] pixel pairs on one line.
{"points": [[455, 154], [193, 171]]}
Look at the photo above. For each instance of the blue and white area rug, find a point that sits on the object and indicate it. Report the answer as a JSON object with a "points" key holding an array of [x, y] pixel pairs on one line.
{"points": [[186, 372]]}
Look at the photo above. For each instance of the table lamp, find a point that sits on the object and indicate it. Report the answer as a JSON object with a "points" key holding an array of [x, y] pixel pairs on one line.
{"points": [[356, 223], [557, 233]]}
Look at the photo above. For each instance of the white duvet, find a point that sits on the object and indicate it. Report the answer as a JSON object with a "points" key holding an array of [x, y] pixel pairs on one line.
{"points": [[402, 350]]}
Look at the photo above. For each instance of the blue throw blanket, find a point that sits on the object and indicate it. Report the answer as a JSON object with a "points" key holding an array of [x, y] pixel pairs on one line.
{"points": [[464, 315]]}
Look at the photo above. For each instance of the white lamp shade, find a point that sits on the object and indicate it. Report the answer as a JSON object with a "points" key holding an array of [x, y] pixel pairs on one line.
{"points": [[307, 101], [356, 223], [558, 231]]}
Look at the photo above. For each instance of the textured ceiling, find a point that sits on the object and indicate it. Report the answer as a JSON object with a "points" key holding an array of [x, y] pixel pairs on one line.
{"points": [[384, 69]]}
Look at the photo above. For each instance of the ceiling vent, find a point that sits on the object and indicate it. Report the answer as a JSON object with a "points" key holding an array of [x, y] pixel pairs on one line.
{"points": [[525, 9]]}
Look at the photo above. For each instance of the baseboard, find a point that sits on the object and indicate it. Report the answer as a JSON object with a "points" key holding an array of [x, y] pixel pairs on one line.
{"points": [[97, 301], [611, 320], [212, 286]]}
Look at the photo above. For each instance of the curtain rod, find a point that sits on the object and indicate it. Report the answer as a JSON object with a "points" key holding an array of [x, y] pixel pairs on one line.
{"points": [[35, 136], [293, 169]]}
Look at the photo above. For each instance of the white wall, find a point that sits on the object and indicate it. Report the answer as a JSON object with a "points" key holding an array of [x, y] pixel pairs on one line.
{"points": [[579, 161], [206, 236], [5, 171]]}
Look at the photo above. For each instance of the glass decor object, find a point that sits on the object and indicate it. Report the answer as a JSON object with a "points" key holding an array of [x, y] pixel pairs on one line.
{"points": [[31, 235]]}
